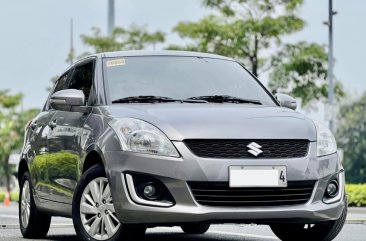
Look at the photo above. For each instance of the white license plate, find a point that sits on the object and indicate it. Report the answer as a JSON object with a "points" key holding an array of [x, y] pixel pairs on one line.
{"points": [[257, 176]]}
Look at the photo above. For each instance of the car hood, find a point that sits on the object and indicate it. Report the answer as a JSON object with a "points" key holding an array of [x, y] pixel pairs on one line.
{"points": [[219, 121]]}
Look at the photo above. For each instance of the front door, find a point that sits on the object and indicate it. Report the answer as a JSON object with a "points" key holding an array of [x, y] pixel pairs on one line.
{"points": [[65, 140], [37, 148]]}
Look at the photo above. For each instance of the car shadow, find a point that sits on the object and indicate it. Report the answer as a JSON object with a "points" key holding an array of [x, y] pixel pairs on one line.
{"points": [[168, 237], [186, 237]]}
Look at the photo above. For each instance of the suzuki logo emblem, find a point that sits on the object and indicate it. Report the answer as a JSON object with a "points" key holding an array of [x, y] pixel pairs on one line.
{"points": [[254, 149]]}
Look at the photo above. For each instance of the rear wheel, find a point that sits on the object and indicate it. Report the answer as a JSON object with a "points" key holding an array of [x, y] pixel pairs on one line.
{"points": [[93, 211], [33, 224], [326, 231], [195, 228]]}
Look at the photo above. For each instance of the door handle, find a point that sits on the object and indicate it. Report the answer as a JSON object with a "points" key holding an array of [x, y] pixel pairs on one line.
{"points": [[52, 124]]}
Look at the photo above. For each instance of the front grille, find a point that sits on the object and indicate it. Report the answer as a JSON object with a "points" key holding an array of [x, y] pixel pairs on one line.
{"points": [[217, 148], [220, 194]]}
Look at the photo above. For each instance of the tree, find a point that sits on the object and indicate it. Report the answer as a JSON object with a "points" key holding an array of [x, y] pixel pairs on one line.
{"points": [[245, 28], [12, 127], [351, 137], [252, 31], [301, 70], [133, 38]]}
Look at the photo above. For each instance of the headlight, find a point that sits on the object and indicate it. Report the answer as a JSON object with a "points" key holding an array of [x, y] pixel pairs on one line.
{"points": [[326, 143], [139, 136]]}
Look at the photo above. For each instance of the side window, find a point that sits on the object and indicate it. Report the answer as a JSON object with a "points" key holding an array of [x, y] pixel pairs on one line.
{"points": [[82, 79], [61, 84]]}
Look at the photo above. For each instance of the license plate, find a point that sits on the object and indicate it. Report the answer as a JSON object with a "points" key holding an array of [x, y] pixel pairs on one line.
{"points": [[257, 176]]}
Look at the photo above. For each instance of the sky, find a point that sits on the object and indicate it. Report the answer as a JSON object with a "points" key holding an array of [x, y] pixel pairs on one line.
{"points": [[34, 36]]}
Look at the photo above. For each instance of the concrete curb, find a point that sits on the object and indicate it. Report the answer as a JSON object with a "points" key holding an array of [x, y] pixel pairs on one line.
{"points": [[356, 221]]}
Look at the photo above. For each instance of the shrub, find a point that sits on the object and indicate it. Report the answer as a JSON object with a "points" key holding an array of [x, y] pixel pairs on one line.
{"points": [[2, 196], [356, 195], [14, 196]]}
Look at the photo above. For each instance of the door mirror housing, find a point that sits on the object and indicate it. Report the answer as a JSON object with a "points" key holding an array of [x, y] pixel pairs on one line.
{"points": [[286, 101], [66, 99]]}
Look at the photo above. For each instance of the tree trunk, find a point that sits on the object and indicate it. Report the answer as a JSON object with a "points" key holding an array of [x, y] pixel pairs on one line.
{"points": [[254, 58], [255, 67]]}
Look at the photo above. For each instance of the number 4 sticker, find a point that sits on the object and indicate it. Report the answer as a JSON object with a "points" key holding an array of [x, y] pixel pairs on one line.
{"points": [[282, 177]]}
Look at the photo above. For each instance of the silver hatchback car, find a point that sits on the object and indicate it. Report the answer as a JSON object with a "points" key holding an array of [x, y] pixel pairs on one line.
{"points": [[132, 140]]}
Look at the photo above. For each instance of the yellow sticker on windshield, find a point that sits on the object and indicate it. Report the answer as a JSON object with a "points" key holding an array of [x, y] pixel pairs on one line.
{"points": [[115, 62]]}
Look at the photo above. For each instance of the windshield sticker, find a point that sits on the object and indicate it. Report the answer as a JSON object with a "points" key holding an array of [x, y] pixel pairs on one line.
{"points": [[115, 62]]}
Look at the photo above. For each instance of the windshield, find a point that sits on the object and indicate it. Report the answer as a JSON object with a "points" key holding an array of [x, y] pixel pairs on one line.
{"points": [[180, 78]]}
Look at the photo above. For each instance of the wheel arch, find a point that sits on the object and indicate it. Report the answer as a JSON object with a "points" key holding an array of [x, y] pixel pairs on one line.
{"points": [[22, 168], [93, 157]]}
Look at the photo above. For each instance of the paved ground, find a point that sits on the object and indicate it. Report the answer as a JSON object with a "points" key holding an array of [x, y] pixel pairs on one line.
{"points": [[62, 229]]}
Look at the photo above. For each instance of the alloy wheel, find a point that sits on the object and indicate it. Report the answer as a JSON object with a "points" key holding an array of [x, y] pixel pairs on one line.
{"points": [[97, 212], [25, 204]]}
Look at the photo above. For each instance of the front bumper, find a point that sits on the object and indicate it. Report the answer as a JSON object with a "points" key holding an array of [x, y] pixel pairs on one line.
{"points": [[175, 172]]}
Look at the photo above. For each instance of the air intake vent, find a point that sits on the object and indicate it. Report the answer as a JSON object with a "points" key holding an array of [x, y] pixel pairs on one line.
{"points": [[219, 194], [216, 148]]}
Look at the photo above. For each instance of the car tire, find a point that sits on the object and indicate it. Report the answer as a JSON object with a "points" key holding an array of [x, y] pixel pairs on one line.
{"points": [[93, 211], [195, 228], [33, 223], [326, 231]]}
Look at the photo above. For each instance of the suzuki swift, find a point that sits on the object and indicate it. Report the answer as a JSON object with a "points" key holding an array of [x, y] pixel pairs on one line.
{"points": [[133, 140]]}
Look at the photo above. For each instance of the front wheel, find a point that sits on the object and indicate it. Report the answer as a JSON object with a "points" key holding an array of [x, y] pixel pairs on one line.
{"points": [[326, 231], [93, 211]]}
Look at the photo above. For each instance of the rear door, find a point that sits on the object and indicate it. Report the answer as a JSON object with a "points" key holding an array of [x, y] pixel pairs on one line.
{"points": [[65, 139]]}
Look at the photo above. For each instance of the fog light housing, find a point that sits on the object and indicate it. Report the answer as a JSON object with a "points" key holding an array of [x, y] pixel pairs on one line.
{"points": [[150, 191], [147, 190], [332, 188]]}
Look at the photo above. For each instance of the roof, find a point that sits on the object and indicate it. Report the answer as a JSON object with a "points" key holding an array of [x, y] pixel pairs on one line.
{"points": [[161, 53], [136, 53]]}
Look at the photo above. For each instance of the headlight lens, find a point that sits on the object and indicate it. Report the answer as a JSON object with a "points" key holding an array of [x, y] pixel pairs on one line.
{"points": [[139, 136], [326, 143]]}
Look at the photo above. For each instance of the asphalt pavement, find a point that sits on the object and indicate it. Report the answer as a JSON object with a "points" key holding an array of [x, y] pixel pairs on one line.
{"points": [[62, 229]]}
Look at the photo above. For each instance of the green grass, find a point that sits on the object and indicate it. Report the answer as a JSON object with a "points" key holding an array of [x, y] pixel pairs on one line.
{"points": [[356, 195]]}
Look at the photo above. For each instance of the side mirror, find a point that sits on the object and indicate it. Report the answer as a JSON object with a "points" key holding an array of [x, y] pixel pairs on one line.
{"points": [[65, 99], [286, 101]]}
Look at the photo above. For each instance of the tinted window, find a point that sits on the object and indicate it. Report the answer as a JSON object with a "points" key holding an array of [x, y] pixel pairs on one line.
{"points": [[82, 79], [61, 83], [181, 78]]}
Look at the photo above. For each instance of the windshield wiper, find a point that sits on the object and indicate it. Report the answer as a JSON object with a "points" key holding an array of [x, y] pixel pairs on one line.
{"points": [[225, 99], [144, 99], [154, 99]]}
